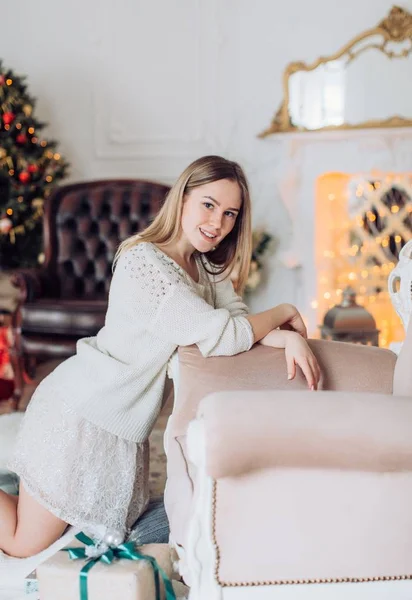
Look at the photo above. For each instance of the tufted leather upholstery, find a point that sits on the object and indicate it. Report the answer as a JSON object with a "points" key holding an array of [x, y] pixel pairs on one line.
{"points": [[83, 225]]}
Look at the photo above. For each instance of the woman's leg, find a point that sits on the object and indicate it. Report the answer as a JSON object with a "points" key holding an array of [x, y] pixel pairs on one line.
{"points": [[26, 527]]}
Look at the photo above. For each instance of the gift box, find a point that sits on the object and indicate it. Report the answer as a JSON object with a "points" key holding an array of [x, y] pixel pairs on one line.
{"points": [[69, 577]]}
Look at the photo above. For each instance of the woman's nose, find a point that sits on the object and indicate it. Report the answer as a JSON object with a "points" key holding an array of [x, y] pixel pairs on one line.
{"points": [[216, 220]]}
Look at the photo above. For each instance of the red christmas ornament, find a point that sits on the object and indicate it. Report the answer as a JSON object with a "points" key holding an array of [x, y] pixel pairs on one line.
{"points": [[24, 177], [32, 168], [8, 118], [21, 138], [2, 80]]}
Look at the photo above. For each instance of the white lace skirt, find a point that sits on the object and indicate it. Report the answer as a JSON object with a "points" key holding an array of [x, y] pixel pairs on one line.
{"points": [[81, 473]]}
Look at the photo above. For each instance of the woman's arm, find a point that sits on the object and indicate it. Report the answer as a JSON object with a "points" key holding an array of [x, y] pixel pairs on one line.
{"points": [[297, 352], [284, 315]]}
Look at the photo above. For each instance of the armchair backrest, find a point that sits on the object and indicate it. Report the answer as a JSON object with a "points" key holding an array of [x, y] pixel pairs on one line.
{"points": [[83, 226]]}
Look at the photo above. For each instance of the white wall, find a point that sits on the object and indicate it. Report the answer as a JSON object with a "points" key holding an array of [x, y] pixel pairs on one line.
{"points": [[138, 88]]}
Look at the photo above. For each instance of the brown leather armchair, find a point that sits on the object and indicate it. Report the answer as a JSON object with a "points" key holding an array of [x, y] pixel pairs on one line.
{"points": [[66, 298]]}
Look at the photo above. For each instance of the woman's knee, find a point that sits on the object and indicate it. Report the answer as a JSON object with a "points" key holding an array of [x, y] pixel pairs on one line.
{"points": [[36, 529]]}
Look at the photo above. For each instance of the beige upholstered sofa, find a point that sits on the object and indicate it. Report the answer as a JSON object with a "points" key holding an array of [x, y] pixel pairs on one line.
{"points": [[274, 491]]}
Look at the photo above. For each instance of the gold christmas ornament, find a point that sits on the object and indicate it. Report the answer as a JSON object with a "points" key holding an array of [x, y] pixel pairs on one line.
{"points": [[38, 203], [27, 109]]}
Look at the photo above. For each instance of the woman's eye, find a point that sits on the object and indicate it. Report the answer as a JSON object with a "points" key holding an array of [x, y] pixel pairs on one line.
{"points": [[208, 204], [230, 214]]}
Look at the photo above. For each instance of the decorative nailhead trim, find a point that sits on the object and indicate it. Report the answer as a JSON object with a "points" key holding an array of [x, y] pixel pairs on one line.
{"points": [[285, 581]]}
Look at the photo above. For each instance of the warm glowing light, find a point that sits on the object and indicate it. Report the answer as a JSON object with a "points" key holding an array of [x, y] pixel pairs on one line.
{"points": [[31, 130], [9, 211], [49, 178], [326, 295], [398, 239], [9, 81], [352, 276], [385, 242], [56, 156], [314, 304], [395, 208]]}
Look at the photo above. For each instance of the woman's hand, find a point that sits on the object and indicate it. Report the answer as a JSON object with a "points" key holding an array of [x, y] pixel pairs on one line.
{"points": [[297, 352], [295, 322]]}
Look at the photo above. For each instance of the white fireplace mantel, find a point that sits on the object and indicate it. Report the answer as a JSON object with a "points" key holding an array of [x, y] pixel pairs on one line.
{"points": [[306, 156]]}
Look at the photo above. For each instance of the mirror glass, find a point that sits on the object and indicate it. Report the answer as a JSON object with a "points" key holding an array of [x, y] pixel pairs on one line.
{"points": [[366, 84]]}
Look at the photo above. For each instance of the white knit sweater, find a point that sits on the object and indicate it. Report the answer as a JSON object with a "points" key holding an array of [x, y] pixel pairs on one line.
{"points": [[116, 379]]}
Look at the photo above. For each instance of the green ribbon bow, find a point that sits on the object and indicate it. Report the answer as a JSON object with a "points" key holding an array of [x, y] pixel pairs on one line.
{"points": [[127, 551]]}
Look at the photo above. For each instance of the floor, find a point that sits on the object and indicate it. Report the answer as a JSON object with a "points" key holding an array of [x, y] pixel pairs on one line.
{"points": [[157, 455]]}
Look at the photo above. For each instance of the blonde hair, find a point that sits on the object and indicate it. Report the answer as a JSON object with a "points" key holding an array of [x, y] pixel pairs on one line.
{"points": [[235, 248]]}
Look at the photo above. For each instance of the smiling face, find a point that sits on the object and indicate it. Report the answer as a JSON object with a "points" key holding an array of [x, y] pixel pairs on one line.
{"points": [[210, 212]]}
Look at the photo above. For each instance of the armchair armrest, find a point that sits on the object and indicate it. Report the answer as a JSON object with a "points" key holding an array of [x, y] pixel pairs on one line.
{"points": [[32, 283], [248, 431]]}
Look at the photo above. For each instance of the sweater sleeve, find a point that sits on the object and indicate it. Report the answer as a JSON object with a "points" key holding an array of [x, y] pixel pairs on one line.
{"points": [[184, 318], [168, 306], [226, 297]]}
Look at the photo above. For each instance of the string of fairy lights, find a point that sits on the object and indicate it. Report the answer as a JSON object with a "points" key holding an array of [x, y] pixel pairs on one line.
{"points": [[367, 221], [29, 164]]}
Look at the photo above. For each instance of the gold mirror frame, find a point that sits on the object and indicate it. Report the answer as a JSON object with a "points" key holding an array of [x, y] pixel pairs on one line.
{"points": [[397, 27]]}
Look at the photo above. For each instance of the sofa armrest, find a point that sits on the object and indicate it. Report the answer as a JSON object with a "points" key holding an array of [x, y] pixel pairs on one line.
{"points": [[248, 431], [276, 507]]}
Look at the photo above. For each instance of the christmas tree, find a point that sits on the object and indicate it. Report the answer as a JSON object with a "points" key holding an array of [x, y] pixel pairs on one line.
{"points": [[30, 168]]}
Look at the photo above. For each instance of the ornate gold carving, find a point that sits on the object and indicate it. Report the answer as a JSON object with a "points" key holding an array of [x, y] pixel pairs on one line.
{"points": [[396, 27]]}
